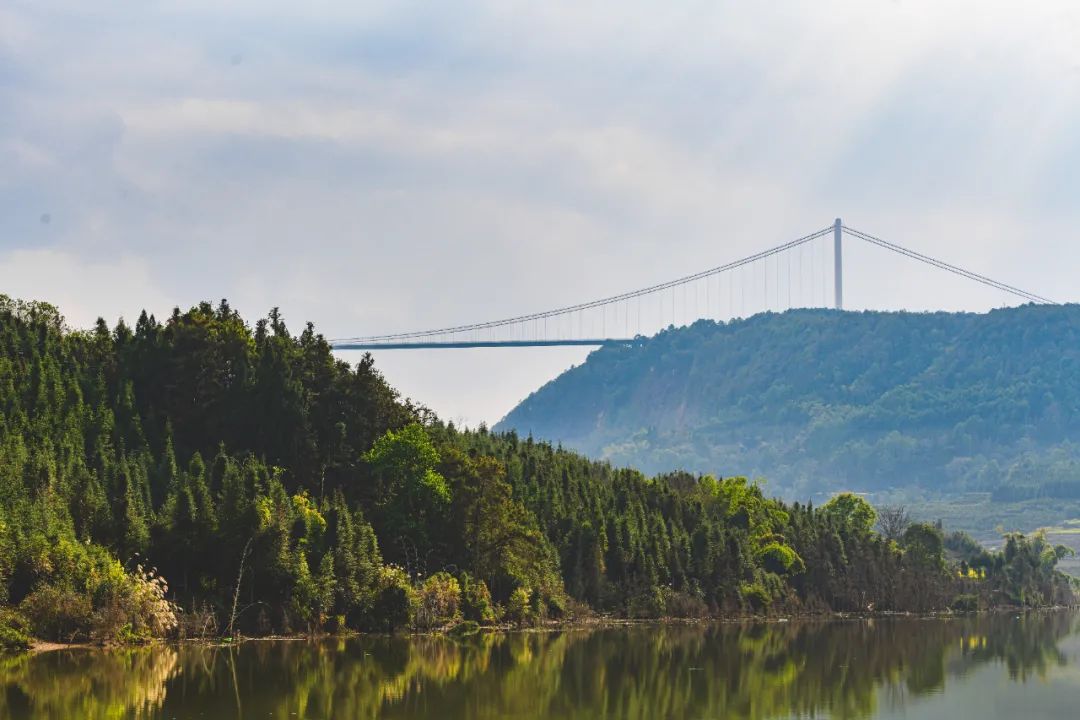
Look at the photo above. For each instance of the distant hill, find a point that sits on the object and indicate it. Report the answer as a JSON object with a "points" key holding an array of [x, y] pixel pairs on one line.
{"points": [[818, 399]]}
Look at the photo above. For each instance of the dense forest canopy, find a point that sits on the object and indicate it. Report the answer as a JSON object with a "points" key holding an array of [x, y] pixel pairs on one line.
{"points": [[202, 475], [820, 400]]}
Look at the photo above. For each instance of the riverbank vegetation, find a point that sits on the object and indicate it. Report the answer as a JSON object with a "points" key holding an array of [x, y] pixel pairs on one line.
{"points": [[203, 476]]}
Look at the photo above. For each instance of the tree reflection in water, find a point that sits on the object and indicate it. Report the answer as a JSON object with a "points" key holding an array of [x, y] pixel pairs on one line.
{"points": [[748, 671]]}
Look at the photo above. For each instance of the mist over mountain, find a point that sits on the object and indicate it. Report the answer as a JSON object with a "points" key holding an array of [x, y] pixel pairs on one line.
{"points": [[816, 400]]}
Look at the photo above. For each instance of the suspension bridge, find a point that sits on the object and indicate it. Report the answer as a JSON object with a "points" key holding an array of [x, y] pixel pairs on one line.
{"points": [[801, 271]]}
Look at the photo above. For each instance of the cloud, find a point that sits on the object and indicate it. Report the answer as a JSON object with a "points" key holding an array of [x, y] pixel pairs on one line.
{"points": [[387, 166], [118, 287]]}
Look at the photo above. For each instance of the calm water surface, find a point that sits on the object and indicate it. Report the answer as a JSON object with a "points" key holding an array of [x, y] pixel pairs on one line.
{"points": [[1004, 666]]}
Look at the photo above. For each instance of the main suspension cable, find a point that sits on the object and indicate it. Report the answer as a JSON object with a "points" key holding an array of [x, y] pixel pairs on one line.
{"points": [[594, 303], [948, 267]]}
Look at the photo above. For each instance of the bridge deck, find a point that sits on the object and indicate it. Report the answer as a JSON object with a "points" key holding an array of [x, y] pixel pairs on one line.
{"points": [[592, 342]]}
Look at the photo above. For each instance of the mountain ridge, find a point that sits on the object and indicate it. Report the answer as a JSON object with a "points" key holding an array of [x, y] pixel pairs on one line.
{"points": [[823, 399]]}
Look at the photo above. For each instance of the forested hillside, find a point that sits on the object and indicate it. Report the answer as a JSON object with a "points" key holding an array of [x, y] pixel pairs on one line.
{"points": [[200, 476], [818, 400]]}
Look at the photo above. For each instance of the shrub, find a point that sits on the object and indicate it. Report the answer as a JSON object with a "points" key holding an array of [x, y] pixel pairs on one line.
{"points": [[439, 600], [149, 612], [80, 591], [755, 596], [572, 608], [537, 606], [337, 624], [476, 602], [648, 602], [395, 600], [518, 609], [556, 607], [965, 603], [308, 597], [117, 606], [684, 604], [14, 631], [130, 607], [201, 622], [58, 613]]}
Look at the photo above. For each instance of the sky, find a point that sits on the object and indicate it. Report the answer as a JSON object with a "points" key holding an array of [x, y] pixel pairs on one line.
{"points": [[386, 166]]}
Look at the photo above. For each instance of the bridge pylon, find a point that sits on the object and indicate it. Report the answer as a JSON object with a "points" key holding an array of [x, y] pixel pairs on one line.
{"points": [[838, 263]]}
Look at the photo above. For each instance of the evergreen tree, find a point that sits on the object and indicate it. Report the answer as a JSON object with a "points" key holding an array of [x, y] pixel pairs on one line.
{"points": [[329, 500]]}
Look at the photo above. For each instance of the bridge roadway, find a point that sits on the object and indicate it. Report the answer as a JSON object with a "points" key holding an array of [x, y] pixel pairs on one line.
{"points": [[594, 342]]}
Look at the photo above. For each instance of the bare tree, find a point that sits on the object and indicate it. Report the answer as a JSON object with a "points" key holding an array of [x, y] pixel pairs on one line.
{"points": [[893, 520], [236, 594]]}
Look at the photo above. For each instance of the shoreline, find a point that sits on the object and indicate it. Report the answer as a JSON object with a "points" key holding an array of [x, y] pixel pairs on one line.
{"points": [[38, 646]]}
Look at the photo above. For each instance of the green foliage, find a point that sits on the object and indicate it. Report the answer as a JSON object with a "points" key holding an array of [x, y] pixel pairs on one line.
{"points": [[962, 546], [58, 613], [438, 601], [80, 592], [780, 559], [851, 511], [412, 497], [1025, 570], [406, 460], [923, 547], [326, 498], [924, 573], [395, 600], [476, 604], [102, 444], [518, 609], [819, 401], [683, 604], [755, 596], [14, 632], [502, 542]]}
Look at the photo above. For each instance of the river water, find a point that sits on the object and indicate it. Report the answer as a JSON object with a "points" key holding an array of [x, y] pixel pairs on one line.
{"points": [[989, 667]]}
